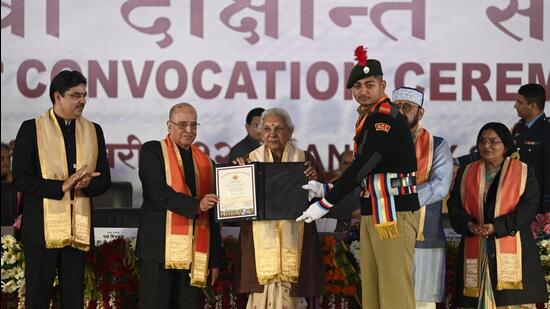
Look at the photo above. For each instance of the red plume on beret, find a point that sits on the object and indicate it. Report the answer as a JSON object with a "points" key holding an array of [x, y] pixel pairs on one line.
{"points": [[361, 55]]}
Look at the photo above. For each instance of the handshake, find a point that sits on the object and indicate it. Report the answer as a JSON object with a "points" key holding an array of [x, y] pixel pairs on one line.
{"points": [[320, 207]]}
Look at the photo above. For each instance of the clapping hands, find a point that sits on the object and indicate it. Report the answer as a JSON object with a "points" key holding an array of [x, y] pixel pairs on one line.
{"points": [[79, 180]]}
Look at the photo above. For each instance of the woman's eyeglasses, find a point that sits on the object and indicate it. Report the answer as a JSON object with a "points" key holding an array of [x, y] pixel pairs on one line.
{"points": [[492, 141]]}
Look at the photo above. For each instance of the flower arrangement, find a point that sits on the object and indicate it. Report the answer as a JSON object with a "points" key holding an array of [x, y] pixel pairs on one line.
{"points": [[110, 275], [111, 279], [13, 275], [541, 231], [541, 226], [340, 276]]}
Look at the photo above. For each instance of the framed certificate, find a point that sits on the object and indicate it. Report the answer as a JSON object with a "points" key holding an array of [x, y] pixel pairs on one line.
{"points": [[260, 191], [236, 188]]}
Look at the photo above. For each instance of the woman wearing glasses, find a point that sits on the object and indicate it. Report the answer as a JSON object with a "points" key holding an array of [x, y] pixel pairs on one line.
{"points": [[279, 261], [492, 205]]}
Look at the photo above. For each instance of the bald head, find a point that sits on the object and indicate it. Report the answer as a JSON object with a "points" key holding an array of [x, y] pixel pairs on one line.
{"points": [[182, 124], [181, 106]]}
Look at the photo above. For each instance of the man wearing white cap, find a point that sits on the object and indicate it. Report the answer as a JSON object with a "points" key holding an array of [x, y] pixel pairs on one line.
{"points": [[433, 179]]}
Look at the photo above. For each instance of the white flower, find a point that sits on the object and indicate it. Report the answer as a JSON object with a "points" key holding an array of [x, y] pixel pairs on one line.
{"points": [[9, 257], [132, 242], [8, 241], [7, 274], [9, 286], [112, 300]]}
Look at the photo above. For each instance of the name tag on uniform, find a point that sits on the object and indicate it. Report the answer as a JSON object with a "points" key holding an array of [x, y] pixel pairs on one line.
{"points": [[531, 143]]}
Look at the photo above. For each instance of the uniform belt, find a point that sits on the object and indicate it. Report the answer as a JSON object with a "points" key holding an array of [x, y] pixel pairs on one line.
{"points": [[399, 184], [404, 181]]}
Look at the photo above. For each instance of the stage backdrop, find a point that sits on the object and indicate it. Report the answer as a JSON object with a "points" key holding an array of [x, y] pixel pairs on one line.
{"points": [[226, 57]]}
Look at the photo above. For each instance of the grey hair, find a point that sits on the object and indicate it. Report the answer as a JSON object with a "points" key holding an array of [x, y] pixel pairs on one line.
{"points": [[275, 111]]}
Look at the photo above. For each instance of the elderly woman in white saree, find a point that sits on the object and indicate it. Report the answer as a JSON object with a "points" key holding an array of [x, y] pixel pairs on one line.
{"points": [[279, 261]]}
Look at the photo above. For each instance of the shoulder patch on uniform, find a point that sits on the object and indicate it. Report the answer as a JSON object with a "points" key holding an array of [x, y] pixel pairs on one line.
{"points": [[380, 126], [389, 109], [385, 108]]}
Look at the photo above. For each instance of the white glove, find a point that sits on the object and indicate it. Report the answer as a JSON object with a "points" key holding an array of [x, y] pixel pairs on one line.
{"points": [[316, 189], [313, 212]]}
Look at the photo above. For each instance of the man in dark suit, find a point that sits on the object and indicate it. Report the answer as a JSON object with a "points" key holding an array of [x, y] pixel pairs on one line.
{"points": [[59, 163], [532, 137], [252, 138], [178, 240]]}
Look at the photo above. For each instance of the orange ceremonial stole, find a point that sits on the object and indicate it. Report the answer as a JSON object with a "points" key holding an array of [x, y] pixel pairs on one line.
{"points": [[511, 185], [187, 248], [424, 149]]}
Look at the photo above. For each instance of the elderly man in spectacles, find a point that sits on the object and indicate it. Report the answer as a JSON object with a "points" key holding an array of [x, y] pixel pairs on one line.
{"points": [[60, 162], [176, 226], [433, 180]]}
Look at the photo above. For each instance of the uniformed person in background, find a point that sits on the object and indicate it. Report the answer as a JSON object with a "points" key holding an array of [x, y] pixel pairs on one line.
{"points": [[384, 167], [532, 137]]}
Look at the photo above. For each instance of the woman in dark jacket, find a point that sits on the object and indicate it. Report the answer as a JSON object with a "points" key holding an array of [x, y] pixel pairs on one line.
{"points": [[492, 205]]}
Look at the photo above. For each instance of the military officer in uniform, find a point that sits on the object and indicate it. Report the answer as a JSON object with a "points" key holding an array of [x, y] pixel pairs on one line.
{"points": [[384, 167], [532, 137]]}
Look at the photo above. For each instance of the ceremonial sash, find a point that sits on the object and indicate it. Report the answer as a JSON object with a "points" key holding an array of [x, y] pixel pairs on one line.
{"points": [[278, 243], [424, 148], [379, 186], [185, 247], [511, 186], [381, 192], [65, 224]]}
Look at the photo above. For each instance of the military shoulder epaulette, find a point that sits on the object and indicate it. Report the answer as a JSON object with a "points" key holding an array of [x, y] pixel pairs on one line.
{"points": [[389, 109]]}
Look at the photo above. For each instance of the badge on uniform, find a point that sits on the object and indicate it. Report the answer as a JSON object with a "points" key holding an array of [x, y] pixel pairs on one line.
{"points": [[380, 126]]}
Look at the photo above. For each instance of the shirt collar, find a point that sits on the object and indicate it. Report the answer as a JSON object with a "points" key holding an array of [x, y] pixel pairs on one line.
{"points": [[63, 122], [530, 123]]}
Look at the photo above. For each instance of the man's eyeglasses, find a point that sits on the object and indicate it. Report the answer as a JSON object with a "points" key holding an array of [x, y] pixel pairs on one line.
{"points": [[78, 95], [406, 107], [492, 141], [184, 125]]}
